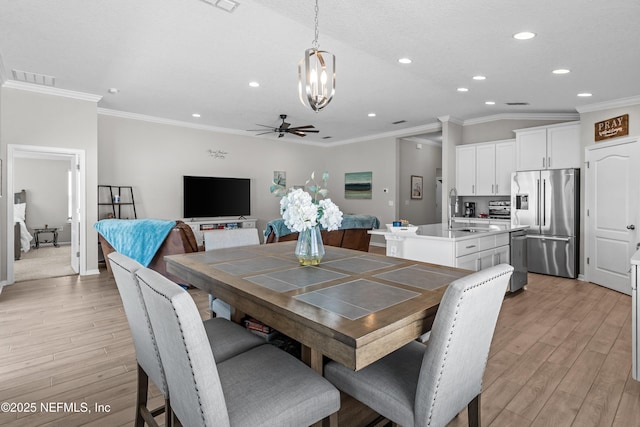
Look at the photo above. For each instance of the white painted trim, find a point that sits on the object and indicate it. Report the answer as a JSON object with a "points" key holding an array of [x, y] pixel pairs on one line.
{"points": [[612, 143], [423, 141], [432, 127], [522, 116], [606, 105], [3, 73], [47, 90], [15, 150], [189, 125], [451, 119]]}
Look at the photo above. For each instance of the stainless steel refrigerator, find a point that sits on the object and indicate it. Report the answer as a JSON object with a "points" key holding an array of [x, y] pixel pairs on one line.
{"points": [[548, 202]]}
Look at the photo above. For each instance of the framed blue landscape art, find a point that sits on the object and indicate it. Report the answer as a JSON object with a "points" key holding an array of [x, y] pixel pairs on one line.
{"points": [[357, 185]]}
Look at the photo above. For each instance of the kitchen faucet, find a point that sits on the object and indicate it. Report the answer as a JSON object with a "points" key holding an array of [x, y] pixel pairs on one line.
{"points": [[453, 196]]}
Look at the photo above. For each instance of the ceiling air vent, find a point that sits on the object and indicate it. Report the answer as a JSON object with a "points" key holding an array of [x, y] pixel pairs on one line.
{"points": [[398, 122], [226, 5], [28, 77], [516, 104]]}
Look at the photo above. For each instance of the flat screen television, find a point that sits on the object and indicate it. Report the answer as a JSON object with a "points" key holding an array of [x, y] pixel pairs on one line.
{"points": [[209, 197]]}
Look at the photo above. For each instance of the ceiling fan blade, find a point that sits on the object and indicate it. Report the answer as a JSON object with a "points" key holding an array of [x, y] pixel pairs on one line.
{"points": [[260, 130], [298, 133], [309, 131], [285, 125], [303, 127], [264, 133]]}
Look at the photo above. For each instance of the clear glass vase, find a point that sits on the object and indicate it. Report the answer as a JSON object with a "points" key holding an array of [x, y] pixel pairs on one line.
{"points": [[310, 248]]}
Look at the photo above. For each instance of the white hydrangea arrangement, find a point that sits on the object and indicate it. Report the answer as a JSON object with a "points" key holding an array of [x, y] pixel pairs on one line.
{"points": [[302, 211]]}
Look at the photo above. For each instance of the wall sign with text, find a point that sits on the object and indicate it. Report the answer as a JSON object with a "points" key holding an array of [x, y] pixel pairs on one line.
{"points": [[611, 128]]}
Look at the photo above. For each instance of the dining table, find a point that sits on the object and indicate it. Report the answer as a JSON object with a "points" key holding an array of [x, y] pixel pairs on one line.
{"points": [[354, 307]]}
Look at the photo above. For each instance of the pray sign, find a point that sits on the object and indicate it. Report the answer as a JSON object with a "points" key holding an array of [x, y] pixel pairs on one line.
{"points": [[610, 128]]}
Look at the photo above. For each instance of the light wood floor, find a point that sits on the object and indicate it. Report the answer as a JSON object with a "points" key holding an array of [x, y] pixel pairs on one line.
{"points": [[561, 356]]}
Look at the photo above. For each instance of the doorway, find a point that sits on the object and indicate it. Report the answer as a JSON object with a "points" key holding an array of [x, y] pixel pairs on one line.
{"points": [[612, 212], [74, 189]]}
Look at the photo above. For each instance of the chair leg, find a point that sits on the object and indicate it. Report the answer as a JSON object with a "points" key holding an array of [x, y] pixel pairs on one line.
{"points": [[168, 413], [473, 410], [143, 414], [141, 398]]}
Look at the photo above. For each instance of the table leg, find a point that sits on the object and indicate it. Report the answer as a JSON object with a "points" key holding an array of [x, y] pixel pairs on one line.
{"points": [[313, 358], [37, 240], [55, 238]]}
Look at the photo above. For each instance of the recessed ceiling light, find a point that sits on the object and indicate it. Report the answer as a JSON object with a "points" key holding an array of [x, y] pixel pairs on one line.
{"points": [[371, 114], [479, 78], [585, 94], [254, 84], [113, 90], [462, 89], [405, 60], [490, 102], [524, 35], [561, 71], [196, 115]]}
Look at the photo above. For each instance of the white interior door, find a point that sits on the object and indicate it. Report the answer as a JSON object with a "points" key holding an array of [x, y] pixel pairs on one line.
{"points": [[74, 196], [613, 190]]}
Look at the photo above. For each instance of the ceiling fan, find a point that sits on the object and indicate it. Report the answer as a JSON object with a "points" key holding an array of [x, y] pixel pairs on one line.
{"points": [[286, 128]]}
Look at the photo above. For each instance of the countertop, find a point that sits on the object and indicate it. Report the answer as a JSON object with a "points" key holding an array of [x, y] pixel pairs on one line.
{"points": [[440, 231]]}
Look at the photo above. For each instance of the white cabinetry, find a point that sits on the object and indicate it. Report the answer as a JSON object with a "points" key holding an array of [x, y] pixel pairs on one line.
{"points": [[199, 227], [485, 169], [466, 170], [482, 252], [548, 147]]}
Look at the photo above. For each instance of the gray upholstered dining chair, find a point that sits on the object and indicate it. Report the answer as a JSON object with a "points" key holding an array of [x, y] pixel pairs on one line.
{"points": [[230, 339], [221, 239], [428, 385], [264, 386]]}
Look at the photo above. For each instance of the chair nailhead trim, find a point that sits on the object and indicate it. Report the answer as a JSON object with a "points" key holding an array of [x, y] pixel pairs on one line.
{"points": [[446, 353]]}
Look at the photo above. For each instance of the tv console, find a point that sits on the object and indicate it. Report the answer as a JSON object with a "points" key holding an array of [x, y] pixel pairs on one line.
{"points": [[200, 226]]}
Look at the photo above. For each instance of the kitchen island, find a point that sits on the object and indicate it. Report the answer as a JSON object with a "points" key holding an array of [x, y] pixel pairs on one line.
{"points": [[472, 246]]}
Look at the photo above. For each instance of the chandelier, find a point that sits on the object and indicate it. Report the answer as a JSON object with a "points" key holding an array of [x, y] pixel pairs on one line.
{"points": [[317, 75]]}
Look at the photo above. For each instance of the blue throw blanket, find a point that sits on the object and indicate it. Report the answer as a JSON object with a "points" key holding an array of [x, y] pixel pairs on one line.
{"points": [[348, 221], [138, 239]]}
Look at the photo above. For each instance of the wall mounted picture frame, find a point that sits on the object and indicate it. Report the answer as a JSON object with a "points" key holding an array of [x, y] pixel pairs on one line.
{"points": [[280, 178], [357, 185], [416, 187]]}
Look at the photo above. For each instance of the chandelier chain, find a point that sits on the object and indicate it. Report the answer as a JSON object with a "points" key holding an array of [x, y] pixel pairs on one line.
{"points": [[315, 40]]}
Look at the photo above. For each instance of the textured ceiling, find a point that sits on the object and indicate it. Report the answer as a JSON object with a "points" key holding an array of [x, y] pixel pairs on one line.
{"points": [[172, 58]]}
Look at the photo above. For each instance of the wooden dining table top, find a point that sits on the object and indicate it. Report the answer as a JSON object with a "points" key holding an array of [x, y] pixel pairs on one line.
{"points": [[354, 308]]}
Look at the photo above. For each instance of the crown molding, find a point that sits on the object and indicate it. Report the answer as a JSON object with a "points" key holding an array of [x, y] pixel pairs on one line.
{"points": [[522, 116], [606, 105], [178, 123], [451, 119], [162, 121], [47, 90], [406, 132]]}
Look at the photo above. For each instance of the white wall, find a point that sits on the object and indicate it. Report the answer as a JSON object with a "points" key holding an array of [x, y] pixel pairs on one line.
{"points": [[46, 183], [153, 157], [498, 130], [422, 162], [31, 118], [380, 156], [587, 138]]}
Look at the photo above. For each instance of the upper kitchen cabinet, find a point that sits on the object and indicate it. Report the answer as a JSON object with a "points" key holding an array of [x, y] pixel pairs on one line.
{"points": [[548, 147], [466, 170], [485, 169]]}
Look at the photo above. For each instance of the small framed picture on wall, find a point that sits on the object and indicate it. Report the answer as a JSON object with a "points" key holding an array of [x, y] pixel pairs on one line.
{"points": [[416, 187]]}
